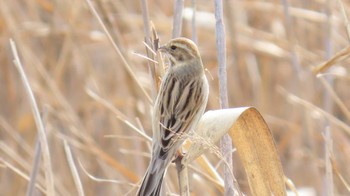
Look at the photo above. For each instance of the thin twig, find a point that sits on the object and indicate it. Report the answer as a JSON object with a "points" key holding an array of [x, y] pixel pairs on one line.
{"points": [[145, 57], [149, 48]]}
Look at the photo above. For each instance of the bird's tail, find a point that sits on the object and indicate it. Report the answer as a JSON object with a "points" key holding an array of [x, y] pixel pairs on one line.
{"points": [[152, 181]]}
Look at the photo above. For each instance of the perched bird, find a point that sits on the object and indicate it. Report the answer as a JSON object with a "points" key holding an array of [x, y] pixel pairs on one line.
{"points": [[180, 103]]}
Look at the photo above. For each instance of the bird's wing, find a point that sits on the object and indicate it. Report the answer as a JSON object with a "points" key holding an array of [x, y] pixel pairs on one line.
{"points": [[178, 109]]}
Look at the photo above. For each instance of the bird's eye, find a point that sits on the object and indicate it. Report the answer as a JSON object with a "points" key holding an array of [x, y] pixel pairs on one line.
{"points": [[173, 47]]}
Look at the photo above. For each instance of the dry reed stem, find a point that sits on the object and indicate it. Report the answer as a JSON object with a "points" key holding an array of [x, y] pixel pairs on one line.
{"points": [[300, 13], [16, 136], [73, 169], [291, 39], [115, 47], [345, 16], [209, 172], [120, 116], [231, 187], [193, 22], [337, 58], [35, 170], [328, 152], [104, 180], [36, 162], [295, 99], [14, 156], [22, 174], [338, 173], [114, 163], [291, 186], [335, 97], [212, 172], [148, 43], [177, 22], [49, 177]]}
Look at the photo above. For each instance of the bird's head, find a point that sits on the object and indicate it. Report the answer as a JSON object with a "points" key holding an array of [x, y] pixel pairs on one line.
{"points": [[180, 51]]}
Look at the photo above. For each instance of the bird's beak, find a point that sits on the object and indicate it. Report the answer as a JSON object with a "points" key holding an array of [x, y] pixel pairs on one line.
{"points": [[162, 49]]}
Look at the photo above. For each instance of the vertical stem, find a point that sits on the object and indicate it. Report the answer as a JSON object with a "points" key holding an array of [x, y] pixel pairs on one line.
{"points": [[73, 169], [145, 17], [221, 52], [177, 23], [182, 172], [193, 24], [148, 41], [291, 38], [226, 142], [49, 177], [328, 103], [234, 52], [35, 168], [328, 152]]}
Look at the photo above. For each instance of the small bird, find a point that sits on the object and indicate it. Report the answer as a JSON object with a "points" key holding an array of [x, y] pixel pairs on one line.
{"points": [[180, 103]]}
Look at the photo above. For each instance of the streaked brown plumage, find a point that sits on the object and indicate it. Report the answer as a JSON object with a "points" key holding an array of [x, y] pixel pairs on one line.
{"points": [[180, 103]]}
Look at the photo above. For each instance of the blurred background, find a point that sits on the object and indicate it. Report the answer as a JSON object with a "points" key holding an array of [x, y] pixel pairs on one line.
{"points": [[88, 98]]}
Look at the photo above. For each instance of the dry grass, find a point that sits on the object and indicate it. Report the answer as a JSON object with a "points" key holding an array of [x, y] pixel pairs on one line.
{"points": [[96, 112]]}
